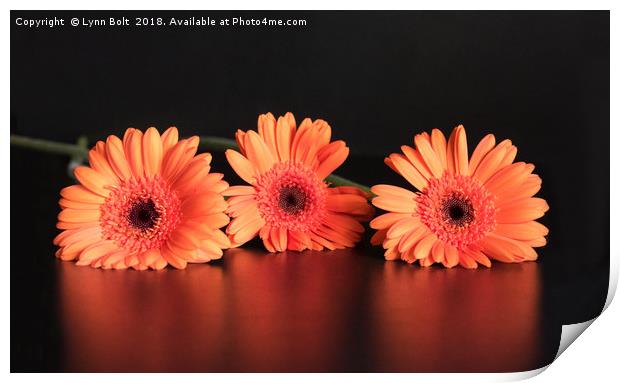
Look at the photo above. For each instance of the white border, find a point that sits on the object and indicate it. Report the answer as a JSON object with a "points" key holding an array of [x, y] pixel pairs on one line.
{"points": [[311, 5], [594, 356]]}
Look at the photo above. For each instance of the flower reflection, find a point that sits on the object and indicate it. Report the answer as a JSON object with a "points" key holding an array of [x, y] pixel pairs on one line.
{"points": [[252, 313], [300, 312], [457, 321]]}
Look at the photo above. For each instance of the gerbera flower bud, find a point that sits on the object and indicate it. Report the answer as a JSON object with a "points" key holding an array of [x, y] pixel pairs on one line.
{"points": [[144, 202], [466, 210], [288, 203]]}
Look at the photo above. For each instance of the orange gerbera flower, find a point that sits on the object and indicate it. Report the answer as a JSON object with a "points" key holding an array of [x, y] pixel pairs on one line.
{"points": [[466, 210], [144, 202], [288, 203]]}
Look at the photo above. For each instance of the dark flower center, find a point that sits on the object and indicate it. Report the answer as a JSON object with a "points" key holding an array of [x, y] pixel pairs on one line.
{"points": [[143, 214], [292, 199], [457, 211]]}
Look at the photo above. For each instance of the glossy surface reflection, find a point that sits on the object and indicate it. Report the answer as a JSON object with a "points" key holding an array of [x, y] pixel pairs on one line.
{"points": [[342, 311]]}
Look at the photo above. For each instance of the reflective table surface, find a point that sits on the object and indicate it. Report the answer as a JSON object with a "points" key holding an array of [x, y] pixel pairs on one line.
{"points": [[338, 311]]}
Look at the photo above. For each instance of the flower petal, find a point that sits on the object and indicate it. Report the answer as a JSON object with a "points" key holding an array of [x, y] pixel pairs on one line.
{"points": [[428, 154], [152, 151], [93, 181], [509, 177], [133, 152], [96, 251], [479, 257], [332, 162], [242, 166], [258, 153], [490, 164], [438, 142], [409, 240], [424, 247], [386, 220], [458, 151], [79, 215], [172, 255], [267, 131], [169, 139], [451, 256], [523, 210], [99, 162], [484, 146], [393, 191], [526, 231], [346, 203], [79, 193], [285, 131], [403, 226], [406, 169], [239, 191], [116, 157], [395, 204], [438, 252], [417, 161]]}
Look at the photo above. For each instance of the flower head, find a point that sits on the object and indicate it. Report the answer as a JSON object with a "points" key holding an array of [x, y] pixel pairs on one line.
{"points": [[288, 203], [466, 210], [144, 202]]}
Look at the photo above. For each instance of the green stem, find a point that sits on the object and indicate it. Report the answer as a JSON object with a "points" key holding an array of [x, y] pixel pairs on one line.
{"points": [[217, 143], [340, 181], [78, 152], [72, 150]]}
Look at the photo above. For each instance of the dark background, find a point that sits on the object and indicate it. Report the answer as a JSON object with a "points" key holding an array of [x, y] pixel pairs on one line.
{"points": [[538, 78]]}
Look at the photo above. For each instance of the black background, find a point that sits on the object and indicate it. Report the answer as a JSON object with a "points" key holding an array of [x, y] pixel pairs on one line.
{"points": [[538, 78]]}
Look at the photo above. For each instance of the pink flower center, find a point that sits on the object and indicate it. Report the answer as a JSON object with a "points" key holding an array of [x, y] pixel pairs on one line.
{"points": [[290, 195], [457, 209], [292, 199], [140, 214], [143, 214]]}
